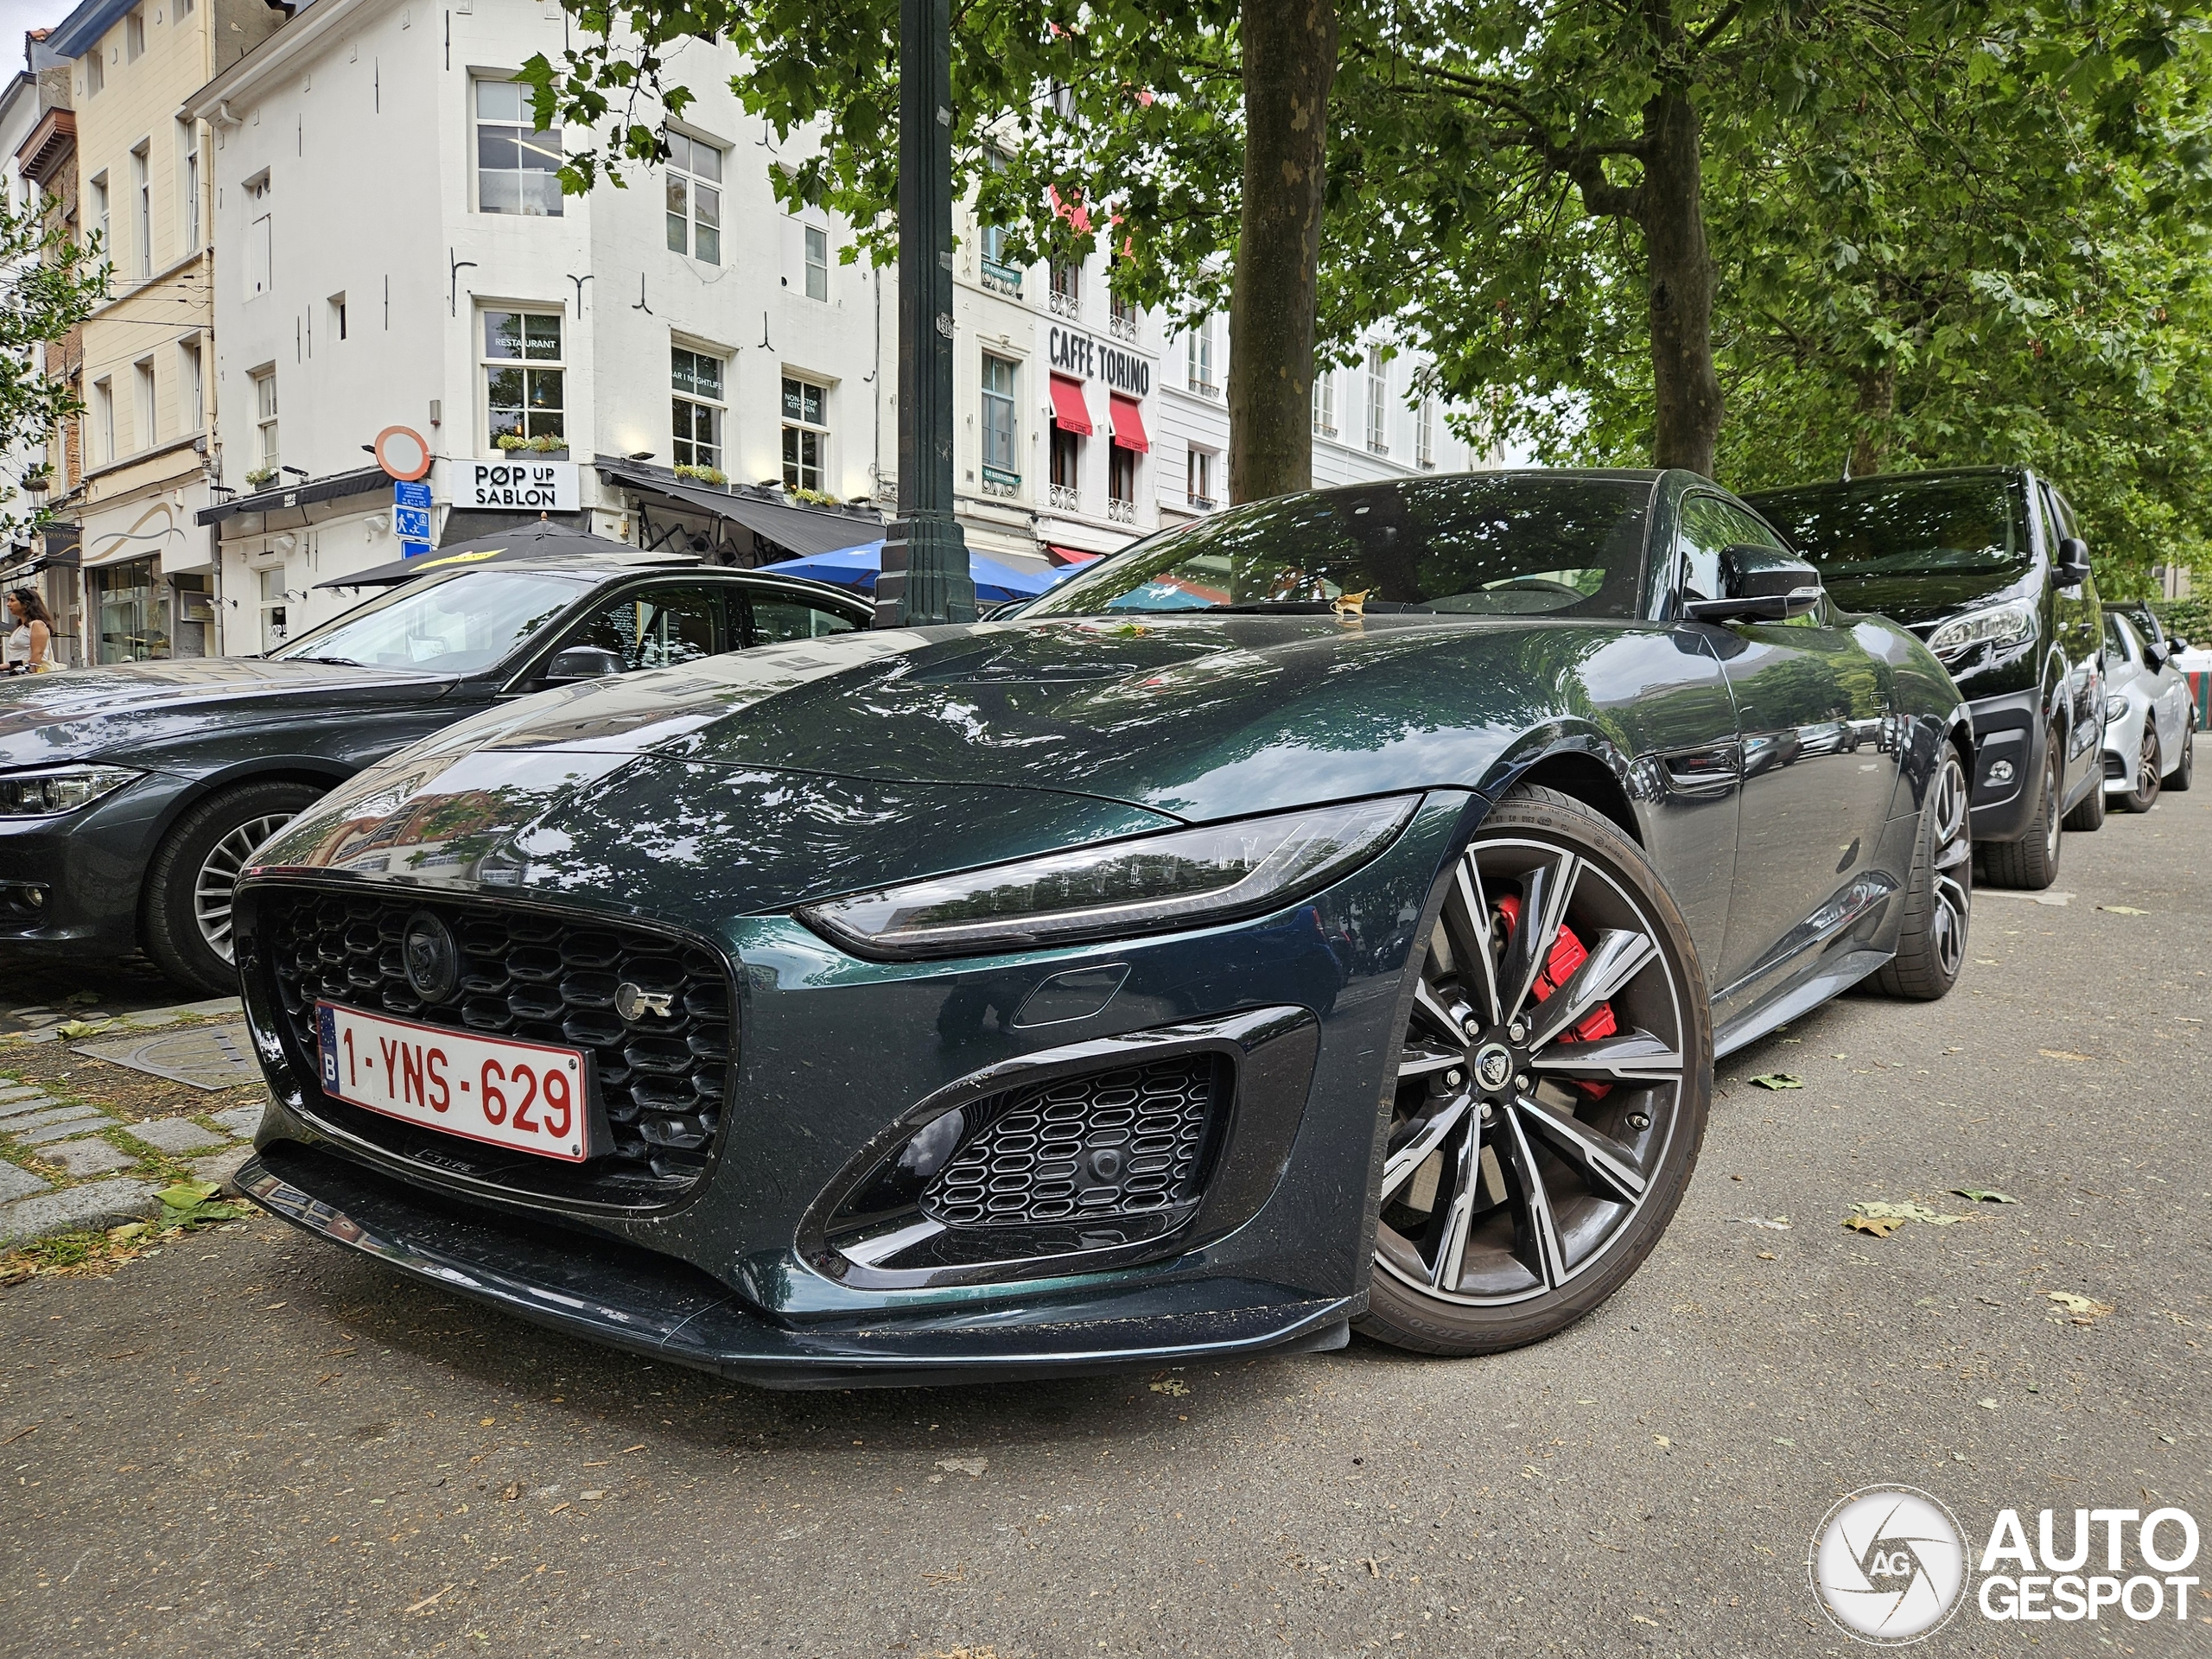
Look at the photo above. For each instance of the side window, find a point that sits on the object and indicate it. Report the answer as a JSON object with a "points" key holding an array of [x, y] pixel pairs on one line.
{"points": [[775, 620], [2118, 647], [2052, 522], [656, 627]]}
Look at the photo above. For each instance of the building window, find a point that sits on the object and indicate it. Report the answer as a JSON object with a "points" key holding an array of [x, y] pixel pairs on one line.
{"points": [[1198, 477], [98, 187], [1001, 449], [1199, 349], [260, 240], [523, 389], [1121, 482], [192, 384], [697, 379], [817, 263], [95, 72], [187, 153], [142, 208], [134, 37], [517, 165], [1067, 462], [1378, 400], [338, 316], [1067, 290], [103, 416], [1425, 433], [142, 385], [695, 198], [806, 434], [1324, 404], [273, 632], [1121, 317], [264, 421]]}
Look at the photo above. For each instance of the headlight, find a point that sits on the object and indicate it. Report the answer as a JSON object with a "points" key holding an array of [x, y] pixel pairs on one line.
{"points": [[1998, 625], [2115, 707], [1187, 877], [61, 789]]}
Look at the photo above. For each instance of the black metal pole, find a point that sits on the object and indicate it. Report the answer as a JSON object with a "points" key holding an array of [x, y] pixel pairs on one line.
{"points": [[924, 575]]}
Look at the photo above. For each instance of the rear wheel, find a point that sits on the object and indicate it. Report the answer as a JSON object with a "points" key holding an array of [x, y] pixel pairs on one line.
{"points": [[2178, 779], [190, 882], [1932, 944], [2031, 862], [2150, 772], [1553, 1085]]}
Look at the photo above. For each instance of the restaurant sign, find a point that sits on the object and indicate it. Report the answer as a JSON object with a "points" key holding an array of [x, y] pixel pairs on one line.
{"points": [[1084, 357]]}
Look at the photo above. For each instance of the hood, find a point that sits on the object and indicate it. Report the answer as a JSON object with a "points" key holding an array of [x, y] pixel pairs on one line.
{"points": [[1193, 718], [1921, 601], [108, 713]]}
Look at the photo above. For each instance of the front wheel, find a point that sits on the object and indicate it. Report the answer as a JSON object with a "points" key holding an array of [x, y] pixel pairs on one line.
{"points": [[2150, 772], [1939, 899], [189, 884], [1553, 1085]]}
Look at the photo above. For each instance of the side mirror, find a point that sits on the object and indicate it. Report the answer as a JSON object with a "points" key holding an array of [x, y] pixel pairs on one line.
{"points": [[2073, 567], [580, 663], [1760, 584]]}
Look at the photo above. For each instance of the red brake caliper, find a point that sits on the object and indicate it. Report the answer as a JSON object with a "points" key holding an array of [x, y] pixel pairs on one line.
{"points": [[1567, 955]]}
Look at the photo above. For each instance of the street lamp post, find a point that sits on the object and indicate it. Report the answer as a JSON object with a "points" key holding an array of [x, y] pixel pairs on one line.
{"points": [[924, 577]]}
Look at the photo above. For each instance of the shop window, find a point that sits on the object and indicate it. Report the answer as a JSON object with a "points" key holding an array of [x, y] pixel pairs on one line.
{"points": [[698, 380]]}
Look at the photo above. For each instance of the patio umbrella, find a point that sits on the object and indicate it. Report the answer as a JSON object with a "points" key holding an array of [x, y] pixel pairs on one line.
{"points": [[858, 567], [541, 540]]}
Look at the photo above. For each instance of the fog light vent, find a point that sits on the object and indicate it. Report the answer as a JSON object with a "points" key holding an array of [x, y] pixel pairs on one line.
{"points": [[1115, 1143], [2000, 771]]}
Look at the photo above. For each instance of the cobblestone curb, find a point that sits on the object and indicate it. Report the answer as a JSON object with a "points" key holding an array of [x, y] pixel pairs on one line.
{"points": [[48, 1023]]}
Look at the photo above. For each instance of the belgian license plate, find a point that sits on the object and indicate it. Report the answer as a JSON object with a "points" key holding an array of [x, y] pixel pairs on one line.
{"points": [[530, 1096]]}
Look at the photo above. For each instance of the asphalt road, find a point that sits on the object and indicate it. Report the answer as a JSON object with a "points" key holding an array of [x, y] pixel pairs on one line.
{"points": [[252, 1444]]}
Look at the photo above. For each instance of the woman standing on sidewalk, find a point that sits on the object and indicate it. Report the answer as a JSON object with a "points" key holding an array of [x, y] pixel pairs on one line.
{"points": [[29, 647]]}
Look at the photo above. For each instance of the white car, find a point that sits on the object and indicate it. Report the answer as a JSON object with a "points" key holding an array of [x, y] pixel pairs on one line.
{"points": [[2150, 718]]}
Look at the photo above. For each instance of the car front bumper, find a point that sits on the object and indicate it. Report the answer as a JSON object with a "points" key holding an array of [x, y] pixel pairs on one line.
{"points": [[2008, 733], [835, 1056], [72, 882]]}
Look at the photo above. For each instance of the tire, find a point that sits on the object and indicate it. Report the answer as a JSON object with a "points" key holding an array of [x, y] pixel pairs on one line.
{"points": [[2031, 862], [1939, 899], [2150, 772], [188, 903], [2088, 813], [2178, 780], [1529, 1170]]}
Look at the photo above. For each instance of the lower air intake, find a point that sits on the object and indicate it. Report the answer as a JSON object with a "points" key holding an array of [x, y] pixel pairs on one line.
{"points": [[1117, 1143]]}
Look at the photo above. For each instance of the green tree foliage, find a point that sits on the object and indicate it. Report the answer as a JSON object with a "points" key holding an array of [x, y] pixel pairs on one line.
{"points": [[54, 284]]}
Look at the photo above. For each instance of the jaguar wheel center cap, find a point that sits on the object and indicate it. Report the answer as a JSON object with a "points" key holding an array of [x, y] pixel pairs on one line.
{"points": [[1493, 1067]]}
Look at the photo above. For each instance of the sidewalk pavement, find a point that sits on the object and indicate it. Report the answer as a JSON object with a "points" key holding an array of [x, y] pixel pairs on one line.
{"points": [[68, 1164]]}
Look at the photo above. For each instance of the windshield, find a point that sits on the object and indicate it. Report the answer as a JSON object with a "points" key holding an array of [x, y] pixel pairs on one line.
{"points": [[1484, 545], [1904, 525], [459, 624]]}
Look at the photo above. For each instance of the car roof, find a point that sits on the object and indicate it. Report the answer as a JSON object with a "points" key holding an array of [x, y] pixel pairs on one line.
{"points": [[1914, 475], [601, 565]]}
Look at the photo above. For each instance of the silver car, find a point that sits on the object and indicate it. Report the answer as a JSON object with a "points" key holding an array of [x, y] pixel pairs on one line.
{"points": [[2150, 718]]}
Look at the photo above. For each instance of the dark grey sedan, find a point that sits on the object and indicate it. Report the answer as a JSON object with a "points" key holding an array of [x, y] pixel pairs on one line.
{"points": [[130, 796]]}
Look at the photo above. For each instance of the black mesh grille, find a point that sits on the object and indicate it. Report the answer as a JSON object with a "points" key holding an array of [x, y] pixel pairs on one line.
{"points": [[662, 1080], [1118, 1143], [2115, 766]]}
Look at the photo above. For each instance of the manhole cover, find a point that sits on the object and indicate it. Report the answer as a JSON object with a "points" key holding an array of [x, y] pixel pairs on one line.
{"points": [[206, 1056]]}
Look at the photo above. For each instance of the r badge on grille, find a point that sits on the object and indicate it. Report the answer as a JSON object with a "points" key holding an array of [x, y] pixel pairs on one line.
{"points": [[633, 1002]]}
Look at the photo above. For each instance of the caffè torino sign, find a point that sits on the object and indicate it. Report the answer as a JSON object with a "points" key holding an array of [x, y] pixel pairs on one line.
{"points": [[1087, 358], [514, 486]]}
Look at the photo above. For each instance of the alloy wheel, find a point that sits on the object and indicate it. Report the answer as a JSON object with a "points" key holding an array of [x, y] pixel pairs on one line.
{"points": [[2150, 774], [1541, 1082], [214, 886], [2051, 817], [1952, 845]]}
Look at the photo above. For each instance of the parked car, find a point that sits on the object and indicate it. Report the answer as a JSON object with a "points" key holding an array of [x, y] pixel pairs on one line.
{"points": [[2150, 718], [130, 796], [1988, 566], [1329, 910]]}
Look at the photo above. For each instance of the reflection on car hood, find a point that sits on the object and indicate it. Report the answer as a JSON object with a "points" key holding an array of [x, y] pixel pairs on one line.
{"points": [[1198, 717], [103, 712], [1921, 601]]}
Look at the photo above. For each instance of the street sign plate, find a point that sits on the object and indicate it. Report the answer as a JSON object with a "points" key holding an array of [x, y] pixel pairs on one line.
{"points": [[411, 524]]}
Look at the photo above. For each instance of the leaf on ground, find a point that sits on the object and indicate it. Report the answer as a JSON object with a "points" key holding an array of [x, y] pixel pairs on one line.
{"points": [[74, 1029], [1985, 1195], [1986, 1405], [1777, 1080], [969, 1466], [1881, 1226], [1882, 1219], [2122, 910], [2086, 1310], [1170, 1387]]}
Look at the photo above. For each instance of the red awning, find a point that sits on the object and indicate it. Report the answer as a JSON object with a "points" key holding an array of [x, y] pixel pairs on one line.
{"points": [[1069, 410], [1129, 425], [1069, 555]]}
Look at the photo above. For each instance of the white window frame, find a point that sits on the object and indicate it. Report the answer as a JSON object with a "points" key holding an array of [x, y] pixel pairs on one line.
{"points": [[142, 201], [134, 36], [1425, 433], [1324, 403], [794, 455], [814, 252], [103, 416], [98, 185], [96, 71], [488, 362], [689, 186], [261, 239], [265, 418], [549, 205], [1197, 478], [1378, 402], [192, 383], [145, 413], [1198, 375], [1001, 405], [187, 151], [716, 406]]}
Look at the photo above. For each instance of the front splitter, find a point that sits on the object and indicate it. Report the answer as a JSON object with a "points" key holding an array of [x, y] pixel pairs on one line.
{"points": [[622, 1297]]}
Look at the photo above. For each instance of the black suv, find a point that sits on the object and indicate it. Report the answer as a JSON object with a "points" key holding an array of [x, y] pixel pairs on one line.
{"points": [[131, 797], [1987, 565]]}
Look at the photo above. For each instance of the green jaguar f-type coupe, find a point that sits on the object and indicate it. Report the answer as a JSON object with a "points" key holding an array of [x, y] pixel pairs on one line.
{"points": [[1323, 914]]}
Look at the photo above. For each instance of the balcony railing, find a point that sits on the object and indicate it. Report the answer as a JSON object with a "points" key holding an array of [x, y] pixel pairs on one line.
{"points": [[1323, 430], [1066, 497], [998, 481], [1065, 304], [1005, 279], [1121, 512], [1122, 326], [1204, 388], [1203, 503], [1375, 446]]}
